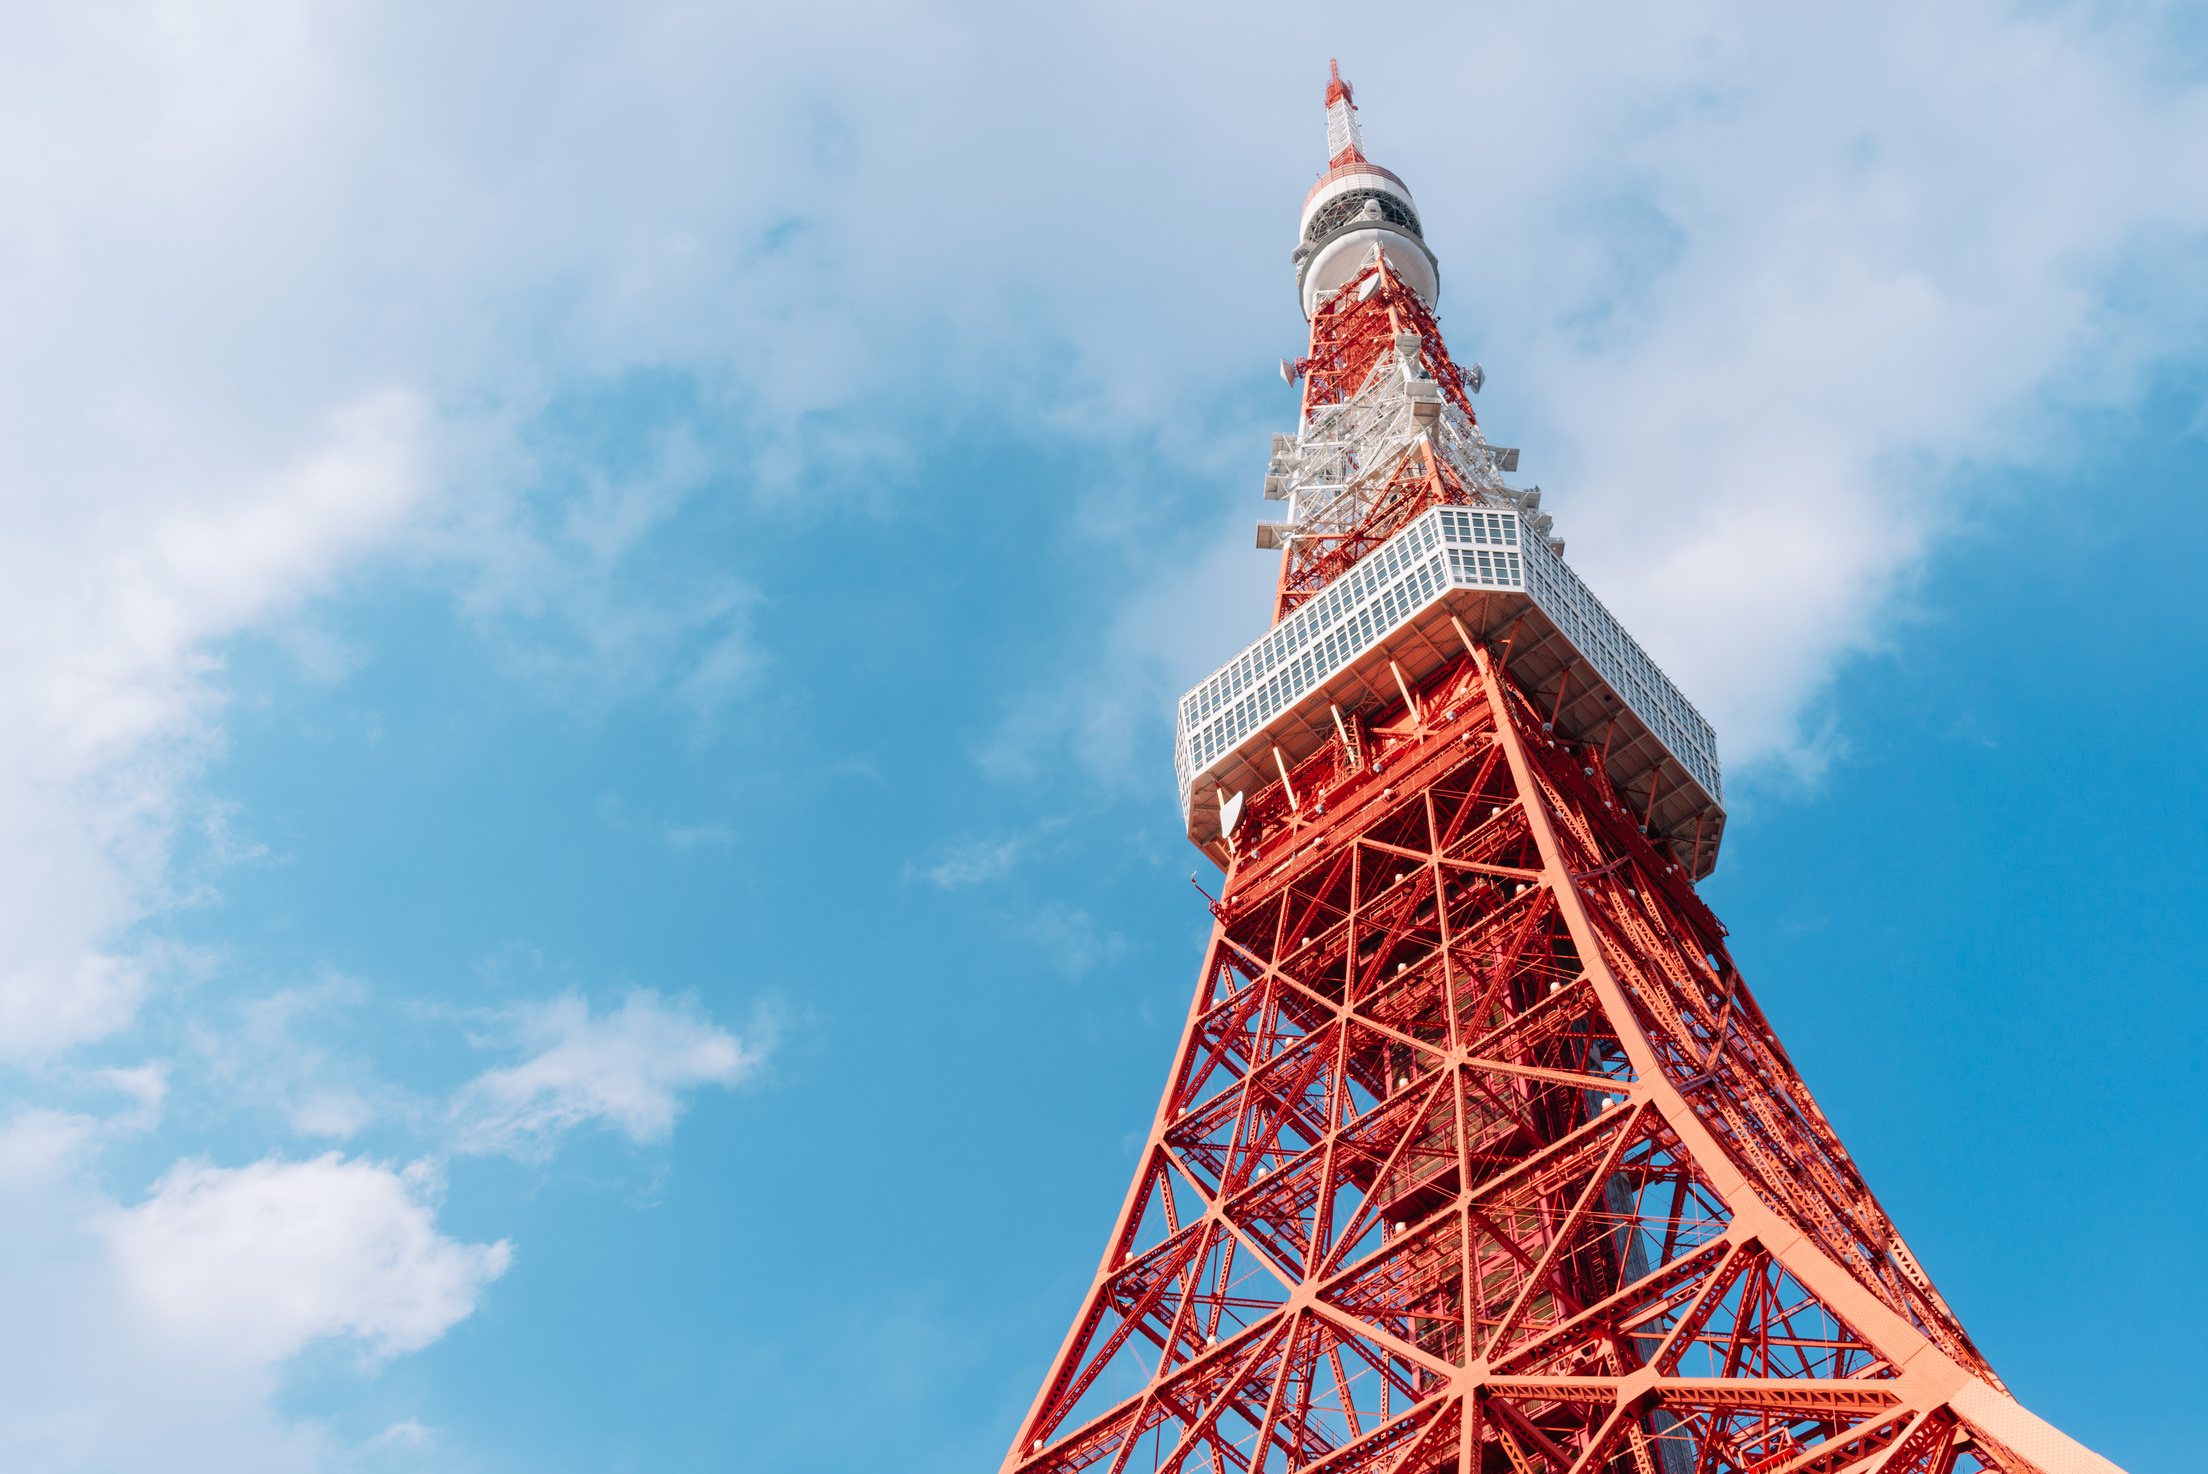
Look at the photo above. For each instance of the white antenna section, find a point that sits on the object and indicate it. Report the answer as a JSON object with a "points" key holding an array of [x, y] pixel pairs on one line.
{"points": [[1344, 139], [1342, 132]]}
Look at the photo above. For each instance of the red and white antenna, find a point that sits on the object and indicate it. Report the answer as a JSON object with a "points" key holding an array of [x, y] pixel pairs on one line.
{"points": [[1355, 206], [1344, 139]]}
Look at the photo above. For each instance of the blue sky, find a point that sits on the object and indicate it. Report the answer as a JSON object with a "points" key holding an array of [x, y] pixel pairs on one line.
{"points": [[593, 599]]}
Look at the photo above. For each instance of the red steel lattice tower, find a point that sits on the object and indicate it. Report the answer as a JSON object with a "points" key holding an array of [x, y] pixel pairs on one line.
{"points": [[1477, 1153]]}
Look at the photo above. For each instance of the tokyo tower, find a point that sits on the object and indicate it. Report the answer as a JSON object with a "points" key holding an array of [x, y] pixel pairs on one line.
{"points": [[1477, 1153]]}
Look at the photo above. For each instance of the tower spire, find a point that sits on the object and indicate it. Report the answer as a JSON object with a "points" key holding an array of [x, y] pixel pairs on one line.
{"points": [[1355, 206], [1345, 141]]}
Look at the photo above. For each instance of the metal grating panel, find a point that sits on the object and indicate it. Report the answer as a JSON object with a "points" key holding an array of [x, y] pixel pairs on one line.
{"points": [[1604, 644], [1449, 547]]}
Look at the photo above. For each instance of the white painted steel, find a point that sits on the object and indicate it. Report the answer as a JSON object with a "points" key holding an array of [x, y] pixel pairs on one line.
{"points": [[1342, 131], [1339, 262], [1281, 680], [1626, 668]]}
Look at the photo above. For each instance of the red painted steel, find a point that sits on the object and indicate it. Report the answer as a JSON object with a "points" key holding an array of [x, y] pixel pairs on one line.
{"points": [[1348, 336], [1477, 1153]]}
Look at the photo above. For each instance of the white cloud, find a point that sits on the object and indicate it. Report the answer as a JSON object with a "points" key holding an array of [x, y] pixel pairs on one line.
{"points": [[38, 1146], [287, 1053], [1776, 280], [1179, 619], [338, 1114], [257, 1261], [1070, 939], [970, 862], [148, 1085], [296, 1055], [410, 1434], [154, 1336], [627, 1069], [107, 605]]}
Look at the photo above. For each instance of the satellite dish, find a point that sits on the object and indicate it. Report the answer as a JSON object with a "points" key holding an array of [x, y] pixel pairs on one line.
{"points": [[1287, 372], [1477, 377], [1230, 814]]}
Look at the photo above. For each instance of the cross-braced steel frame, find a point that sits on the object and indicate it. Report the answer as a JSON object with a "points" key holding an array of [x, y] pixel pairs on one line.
{"points": [[1478, 1155]]}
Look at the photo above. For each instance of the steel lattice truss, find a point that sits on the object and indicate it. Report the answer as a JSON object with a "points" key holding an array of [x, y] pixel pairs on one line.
{"points": [[1378, 385], [1478, 1155]]}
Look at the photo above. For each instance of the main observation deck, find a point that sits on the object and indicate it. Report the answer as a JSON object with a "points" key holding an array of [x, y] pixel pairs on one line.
{"points": [[1487, 571]]}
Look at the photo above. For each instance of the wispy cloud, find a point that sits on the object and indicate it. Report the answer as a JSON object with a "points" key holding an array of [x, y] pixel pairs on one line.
{"points": [[627, 1070], [287, 1053], [970, 862], [115, 700], [1071, 940], [692, 836], [147, 1086]]}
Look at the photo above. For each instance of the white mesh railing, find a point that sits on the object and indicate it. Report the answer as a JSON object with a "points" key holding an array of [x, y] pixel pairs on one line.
{"points": [[1605, 645], [1447, 547]]}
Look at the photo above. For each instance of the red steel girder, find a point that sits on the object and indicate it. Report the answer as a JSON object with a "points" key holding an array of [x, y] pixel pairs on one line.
{"points": [[1478, 1154]]}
